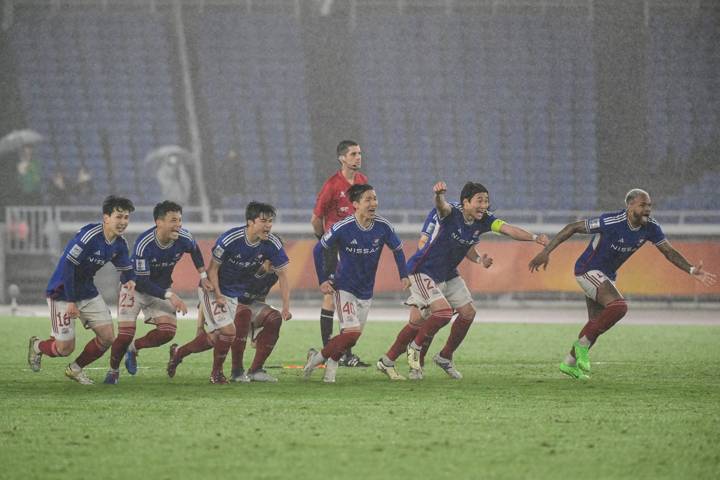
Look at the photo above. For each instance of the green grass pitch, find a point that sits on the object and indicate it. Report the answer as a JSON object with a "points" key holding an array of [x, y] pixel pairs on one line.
{"points": [[651, 410]]}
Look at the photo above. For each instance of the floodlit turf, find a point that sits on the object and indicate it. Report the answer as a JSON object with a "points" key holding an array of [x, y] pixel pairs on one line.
{"points": [[651, 410]]}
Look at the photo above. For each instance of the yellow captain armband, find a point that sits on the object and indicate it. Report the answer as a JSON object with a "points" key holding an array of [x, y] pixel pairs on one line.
{"points": [[496, 225]]}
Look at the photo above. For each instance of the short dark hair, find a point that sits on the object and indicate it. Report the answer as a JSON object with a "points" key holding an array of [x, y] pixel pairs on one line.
{"points": [[257, 209], [345, 145], [356, 191], [471, 189], [165, 207], [112, 203]]}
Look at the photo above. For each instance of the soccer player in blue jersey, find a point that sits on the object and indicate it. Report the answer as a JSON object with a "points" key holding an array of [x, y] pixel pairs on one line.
{"points": [[71, 292], [359, 239], [237, 256], [616, 236], [436, 287], [156, 252], [252, 314], [419, 314]]}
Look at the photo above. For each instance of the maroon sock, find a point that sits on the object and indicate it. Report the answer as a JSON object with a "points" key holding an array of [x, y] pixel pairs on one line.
{"points": [[120, 345], [433, 324], [403, 339], [339, 343], [266, 339], [163, 333], [48, 347], [608, 317], [459, 329], [222, 346], [242, 327], [92, 351], [425, 347], [198, 344]]}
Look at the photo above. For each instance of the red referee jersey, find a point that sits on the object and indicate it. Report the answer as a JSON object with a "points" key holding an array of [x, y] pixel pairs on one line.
{"points": [[332, 202]]}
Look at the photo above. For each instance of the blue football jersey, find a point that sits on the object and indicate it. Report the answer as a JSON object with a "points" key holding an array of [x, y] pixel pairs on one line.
{"points": [[359, 250], [614, 242], [154, 263], [239, 260], [450, 239], [259, 287], [86, 253]]}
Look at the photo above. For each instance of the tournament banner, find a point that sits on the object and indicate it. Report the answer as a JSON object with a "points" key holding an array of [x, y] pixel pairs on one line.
{"points": [[647, 272]]}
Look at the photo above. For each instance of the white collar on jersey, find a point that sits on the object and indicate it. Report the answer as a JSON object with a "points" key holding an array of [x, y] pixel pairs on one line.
{"points": [[365, 229], [161, 245]]}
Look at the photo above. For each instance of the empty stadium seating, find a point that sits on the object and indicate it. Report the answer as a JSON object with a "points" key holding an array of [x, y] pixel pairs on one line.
{"points": [[91, 77], [508, 100]]}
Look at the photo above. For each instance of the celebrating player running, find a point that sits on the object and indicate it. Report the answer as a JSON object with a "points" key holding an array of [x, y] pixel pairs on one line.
{"points": [[616, 236]]}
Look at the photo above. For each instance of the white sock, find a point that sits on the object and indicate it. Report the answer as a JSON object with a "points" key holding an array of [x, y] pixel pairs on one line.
{"points": [[75, 367], [584, 341], [36, 346], [387, 362], [317, 359], [415, 346]]}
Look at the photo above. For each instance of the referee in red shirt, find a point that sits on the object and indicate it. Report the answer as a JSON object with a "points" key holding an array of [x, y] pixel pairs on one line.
{"points": [[332, 205]]}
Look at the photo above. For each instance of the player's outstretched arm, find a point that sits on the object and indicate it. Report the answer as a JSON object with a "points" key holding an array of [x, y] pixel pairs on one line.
{"points": [[441, 205], [517, 233], [697, 271], [542, 258]]}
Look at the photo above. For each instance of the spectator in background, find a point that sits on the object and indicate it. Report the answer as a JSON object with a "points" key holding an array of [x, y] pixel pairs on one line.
{"points": [[58, 189], [84, 184], [174, 180], [28, 177]]}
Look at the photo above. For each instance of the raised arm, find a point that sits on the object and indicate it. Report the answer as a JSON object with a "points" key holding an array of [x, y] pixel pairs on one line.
{"points": [[441, 205], [676, 258], [542, 258]]}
